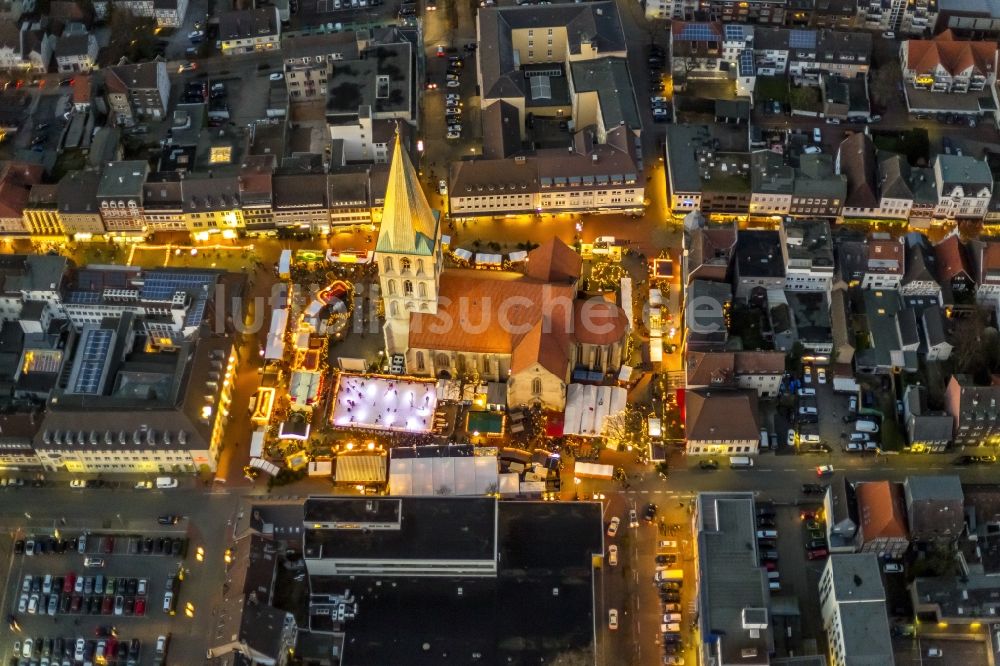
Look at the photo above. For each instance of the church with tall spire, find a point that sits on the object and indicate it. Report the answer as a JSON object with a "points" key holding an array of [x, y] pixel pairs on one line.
{"points": [[408, 251]]}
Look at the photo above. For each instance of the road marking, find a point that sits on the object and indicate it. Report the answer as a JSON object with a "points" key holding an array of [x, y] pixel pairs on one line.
{"points": [[789, 470]]}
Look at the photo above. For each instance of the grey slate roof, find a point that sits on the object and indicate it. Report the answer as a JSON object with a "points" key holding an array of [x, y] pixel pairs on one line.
{"points": [[934, 325], [610, 79], [123, 179], [894, 176], [501, 130], [964, 171], [921, 261], [857, 162], [593, 21]]}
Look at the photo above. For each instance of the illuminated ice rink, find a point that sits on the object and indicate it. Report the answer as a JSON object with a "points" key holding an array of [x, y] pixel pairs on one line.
{"points": [[384, 403]]}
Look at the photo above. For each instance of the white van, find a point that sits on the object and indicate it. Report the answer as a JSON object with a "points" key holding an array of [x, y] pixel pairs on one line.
{"points": [[765, 441], [804, 392], [670, 627], [166, 482], [740, 462], [810, 438], [93, 562], [865, 426]]}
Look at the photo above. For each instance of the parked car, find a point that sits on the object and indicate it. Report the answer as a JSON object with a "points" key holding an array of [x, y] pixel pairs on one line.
{"points": [[892, 567], [613, 555], [613, 526]]}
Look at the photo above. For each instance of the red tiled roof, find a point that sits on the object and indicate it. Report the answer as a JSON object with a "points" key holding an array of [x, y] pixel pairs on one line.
{"points": [[722, 415], [710, 368], [553, 261], [16, 180], [471, 304], [882, 510], [952, 259], [598, 322], [500, 312], [955, 57], [537, 346]]}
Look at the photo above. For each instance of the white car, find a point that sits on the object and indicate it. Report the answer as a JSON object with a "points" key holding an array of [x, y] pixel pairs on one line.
{"points": [[452, 103], [454, 127], [633, 518], [657, 100], [28, 649], [142, 586], [22, 604], [26, 585], [276, 76], [196, 34], [612, 619], [824, 470], [33, 604], [613, 526], [187, 67], [892, 567], [807, 374], [77, 483], [889, 34], [791, 437], [821, 375], [443, 187], [667, 545], [81, 647], [817, 135], [452, 97], [453, 135], [613, 555], [833, 121], [932, 652], [453, 84]]}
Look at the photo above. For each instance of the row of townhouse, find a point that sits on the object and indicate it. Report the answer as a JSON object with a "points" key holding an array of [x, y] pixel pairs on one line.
{"points": [[907, 17], [856, 182], [125, 198], [722, 50], [36, 45]]}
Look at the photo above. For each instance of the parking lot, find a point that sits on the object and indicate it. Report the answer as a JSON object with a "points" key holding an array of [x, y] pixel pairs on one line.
{"points": [[108, 591], [798, 578]]}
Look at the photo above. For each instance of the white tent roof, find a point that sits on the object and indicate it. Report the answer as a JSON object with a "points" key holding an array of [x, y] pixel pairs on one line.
{"points": [[276, 335], [656, 350], [314, 308], [627, 300], [463, 475], [519, 255], [509, 484], [593, 470], [303, 387], [588, 406], [285, 262], [483, 258], [449, 389], [264, 466], [463, 254], [257, 443]]}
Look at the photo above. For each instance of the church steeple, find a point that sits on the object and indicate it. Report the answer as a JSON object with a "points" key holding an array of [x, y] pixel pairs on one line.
{"points": [[409, 226]]}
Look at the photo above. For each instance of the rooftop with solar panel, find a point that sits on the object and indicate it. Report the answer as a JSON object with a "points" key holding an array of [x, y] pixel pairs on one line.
{"points": [[170, 301]]}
